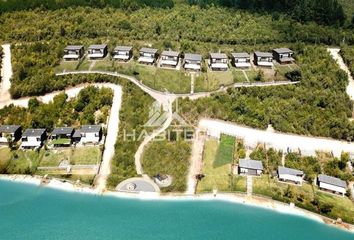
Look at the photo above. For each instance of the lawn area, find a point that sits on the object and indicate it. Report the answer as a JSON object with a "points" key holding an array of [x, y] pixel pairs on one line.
{"points": [[89, 155], [66, 66], [238, 75], [225, 152], [84, 65], [5, 156], [24, 162], [52, 158], [213, 80], [104, 65]]}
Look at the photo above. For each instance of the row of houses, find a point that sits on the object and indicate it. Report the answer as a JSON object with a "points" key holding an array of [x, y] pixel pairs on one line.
{"points": [[191, 61], [328, 183], [60, 137]]}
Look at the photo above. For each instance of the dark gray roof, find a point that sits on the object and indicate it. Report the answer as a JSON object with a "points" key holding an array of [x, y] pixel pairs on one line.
{"points": [[9, 128], [263, 54], [123, 48], [282, 50], [170, 53], [62, 130], [98, 46], [289, 171], [30, 132], [148, 50], [90, 128], [251, 164], [240, 55], [332, 180], [73, 47], [218, 55], [193, 57], [77, 134]]}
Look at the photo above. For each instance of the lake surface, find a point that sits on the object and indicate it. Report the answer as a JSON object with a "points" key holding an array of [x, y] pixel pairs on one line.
{"points": [[30, 212]]}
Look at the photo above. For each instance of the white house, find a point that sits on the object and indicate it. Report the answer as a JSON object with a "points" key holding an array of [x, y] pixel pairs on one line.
{"points": [[97, 51], [9, 131], [290, 174], [90, 134], [263, 59], [241, 60], [250, 167], [169, 59], [123, 53], [73, 52], [33, 138], [147, 55], [218, 61], [332, 184], [192, 62]]}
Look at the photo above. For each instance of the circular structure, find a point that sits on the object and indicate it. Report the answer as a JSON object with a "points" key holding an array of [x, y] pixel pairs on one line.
{"points": [[131, 186], [136, 185], [163, 180]]}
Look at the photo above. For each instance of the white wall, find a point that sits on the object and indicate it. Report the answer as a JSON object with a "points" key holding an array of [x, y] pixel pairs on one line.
{"points": [[90, 138], [290, 178], [332, 188]]}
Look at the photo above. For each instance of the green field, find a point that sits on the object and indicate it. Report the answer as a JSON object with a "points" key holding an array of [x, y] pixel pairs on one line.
{"points": [[225, 152], [66, 66], [86, 156], [52, 158], [24, 162], [5, 156]]}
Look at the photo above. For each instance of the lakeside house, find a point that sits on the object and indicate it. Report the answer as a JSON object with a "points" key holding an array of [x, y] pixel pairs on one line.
{"points": [[169, 59], [97, 51], [331, 184], [192, 62], [218, 61], [263, 59], [73, 52], [12, 132], [241, 60], [123, 53], [283, 55], [147, 55], [89, 134], [62, 136], [33, 138], [289, 174], [250, 167]]}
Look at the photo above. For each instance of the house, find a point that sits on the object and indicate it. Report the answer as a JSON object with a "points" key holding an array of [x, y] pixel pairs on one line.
{"points": [[250, 167], [90, 134], [123, 53], [218, 61], [147, 55], [73, 52], [33, 138], [97, 51], [290, 174], [169, 59], [283, 55], [263, 59], [192, 62], [76, 136], [241, 60], [62, 136], [332, 184], [12, 132]]}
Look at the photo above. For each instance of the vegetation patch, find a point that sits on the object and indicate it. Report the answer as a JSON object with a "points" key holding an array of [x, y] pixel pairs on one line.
{"points": [[86, 155], [24, 162], [225, 153], [5, 156]]}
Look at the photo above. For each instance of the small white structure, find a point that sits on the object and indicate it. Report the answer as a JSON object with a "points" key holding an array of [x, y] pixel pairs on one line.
{"points": [[97, 51], [90, 134], [241, 60], [218, 61], [33, 138], [192, 62], [250, 167], [123, 53], [332, 184], [12, 132], [290, 174], [169, 59], [73, 52], [147, 55], [263, 59]]}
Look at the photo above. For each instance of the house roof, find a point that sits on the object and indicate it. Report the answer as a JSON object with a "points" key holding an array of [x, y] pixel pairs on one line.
{"points": [[62, 130], [251, 164], [123, 48], [218, 55], [90, 128], [332, 180], [9, 128], [193, 57], [240, 55], [263, 54], [37, 132], [289, 171], [282, 50], [170, 53], [98, 46], [73, 47], [77, 134], [148, 50]]}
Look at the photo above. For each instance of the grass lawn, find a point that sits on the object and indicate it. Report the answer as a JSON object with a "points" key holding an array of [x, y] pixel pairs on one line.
{"points": [[225, 152], [239, 184], [24, 162], [5, 156], [89, 155], [52, 158], [252, 74], [104, 65], [84, 65], [66, 66], [238, 75], [213, 80]]}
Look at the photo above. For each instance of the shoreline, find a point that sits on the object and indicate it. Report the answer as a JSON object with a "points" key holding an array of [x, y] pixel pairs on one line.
{"points": [[254, 201]]}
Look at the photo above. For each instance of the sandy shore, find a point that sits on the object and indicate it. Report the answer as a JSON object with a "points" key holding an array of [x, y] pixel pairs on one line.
{"points": [[233, 198]]}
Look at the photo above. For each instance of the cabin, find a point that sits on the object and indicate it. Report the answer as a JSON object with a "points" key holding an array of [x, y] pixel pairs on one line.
{"points": [[10, 132], [97, 51], [147, 55], [250, 167], [91, 134], [33, 138], [283, 55], [263, 59], [192, 62], [241, 60], [169, 59], [123, 53], [331, 184], [290, 175], [76, 136], [73, 52], [218, 62], [62, 136]]}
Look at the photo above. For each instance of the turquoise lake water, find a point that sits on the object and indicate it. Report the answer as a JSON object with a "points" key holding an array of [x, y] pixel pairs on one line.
{"points": [[29, 212]]}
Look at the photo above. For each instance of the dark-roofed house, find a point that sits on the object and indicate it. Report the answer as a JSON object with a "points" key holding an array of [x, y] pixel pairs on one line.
{"points": [[62, 136], [332, 184], [97, 51], [263, 59], [73, 52], [241, 60], [123, 53], [147, 55], [218, 61], [283, 55], [91, 134], [192, 62], [33, 138], [250, 167], [169, 59], [290, 174], [76, 136], [10, 131]]}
